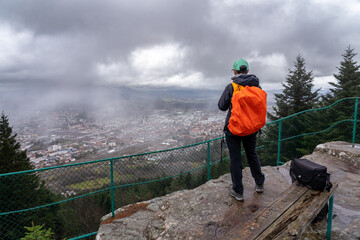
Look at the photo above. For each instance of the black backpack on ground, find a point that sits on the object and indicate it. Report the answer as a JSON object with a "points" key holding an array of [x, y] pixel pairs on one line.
{"points": [[310, 174]]}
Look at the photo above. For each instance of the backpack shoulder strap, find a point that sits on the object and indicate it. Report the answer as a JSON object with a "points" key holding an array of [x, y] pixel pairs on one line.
{"points": [[328, 183], [237, 87]]}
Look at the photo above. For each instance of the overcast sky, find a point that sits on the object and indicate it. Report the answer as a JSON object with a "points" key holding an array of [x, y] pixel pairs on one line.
{"points": [[59, 49]]}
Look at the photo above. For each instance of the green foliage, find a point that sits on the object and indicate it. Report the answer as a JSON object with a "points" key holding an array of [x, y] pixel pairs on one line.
{"points": [[347, 85], [12, 159], [348, 79], [220, 168], [267, 140], [301, 133], [37, 233], [24, 191], [297, 94], [138, 178]]}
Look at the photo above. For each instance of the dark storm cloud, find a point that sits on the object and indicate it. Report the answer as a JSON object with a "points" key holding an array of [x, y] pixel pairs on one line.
{"points": [[58, 49], [85, 32]]}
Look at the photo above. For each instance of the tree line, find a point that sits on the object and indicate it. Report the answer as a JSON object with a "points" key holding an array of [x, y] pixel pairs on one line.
{"points": [[299, 95]]}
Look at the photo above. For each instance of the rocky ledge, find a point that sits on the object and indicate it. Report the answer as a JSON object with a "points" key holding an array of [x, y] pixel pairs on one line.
{"points": [[208, 212]]}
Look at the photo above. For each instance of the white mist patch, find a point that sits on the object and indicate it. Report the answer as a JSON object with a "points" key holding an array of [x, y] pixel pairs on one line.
{"points": [[13, 45], [277, 86], [274, 60], [351, 6], [273, 66], [114, 72], [25, 56], [323, 82], [156, 66], [186, 80], [158, 58]]}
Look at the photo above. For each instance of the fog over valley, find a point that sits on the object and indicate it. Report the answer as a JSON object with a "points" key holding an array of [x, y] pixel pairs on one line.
{"points": [[70, 134], [129, 60]]}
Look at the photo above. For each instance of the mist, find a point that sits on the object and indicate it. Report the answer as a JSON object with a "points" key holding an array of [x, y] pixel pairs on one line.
{"points": [[117, 59]]}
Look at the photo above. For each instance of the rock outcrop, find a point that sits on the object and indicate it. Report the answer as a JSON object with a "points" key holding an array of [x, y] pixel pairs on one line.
{"points": [[208, 212]]}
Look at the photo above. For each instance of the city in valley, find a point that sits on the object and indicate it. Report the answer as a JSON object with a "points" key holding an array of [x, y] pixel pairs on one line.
{"points": [[63, 137]]}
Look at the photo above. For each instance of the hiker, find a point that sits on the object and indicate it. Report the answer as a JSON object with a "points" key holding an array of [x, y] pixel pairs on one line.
{"points": [[242, 78]]}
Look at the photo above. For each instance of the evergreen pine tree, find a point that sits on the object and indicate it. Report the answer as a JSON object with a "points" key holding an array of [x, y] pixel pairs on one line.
{"points": [[348, 79], [347, 85], [297, 95], [11, 158], [21, 191]]}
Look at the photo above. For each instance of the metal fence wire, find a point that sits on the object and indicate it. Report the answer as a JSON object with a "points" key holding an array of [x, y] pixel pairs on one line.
{"points": [[73, 198]]}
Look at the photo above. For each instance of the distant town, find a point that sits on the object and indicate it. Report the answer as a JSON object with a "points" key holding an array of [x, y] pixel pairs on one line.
{"points": [[70, 136]]}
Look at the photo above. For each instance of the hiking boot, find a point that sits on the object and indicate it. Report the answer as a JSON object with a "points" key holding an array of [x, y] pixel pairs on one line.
{"points": [[237, 196], [259, 188]]}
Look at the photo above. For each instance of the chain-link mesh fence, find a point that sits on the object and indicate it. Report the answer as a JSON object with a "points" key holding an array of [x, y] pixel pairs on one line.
{"points": [[71, 199], [298, 134]]}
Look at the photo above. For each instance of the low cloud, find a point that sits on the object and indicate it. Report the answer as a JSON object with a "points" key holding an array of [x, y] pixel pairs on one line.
{"points": [[323, 82], [63, 48], [154, 66]]}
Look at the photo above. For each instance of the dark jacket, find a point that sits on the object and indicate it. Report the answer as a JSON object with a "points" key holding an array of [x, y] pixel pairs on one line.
{"points": [[225, 99]]}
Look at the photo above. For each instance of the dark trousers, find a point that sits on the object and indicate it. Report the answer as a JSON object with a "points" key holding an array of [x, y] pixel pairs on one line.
{"points": [[234, 144]]}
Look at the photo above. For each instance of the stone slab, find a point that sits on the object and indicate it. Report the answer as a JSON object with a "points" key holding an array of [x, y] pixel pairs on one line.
{"points": [[208, 212]]}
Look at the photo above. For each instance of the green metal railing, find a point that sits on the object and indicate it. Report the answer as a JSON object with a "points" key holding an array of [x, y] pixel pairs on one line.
{"points": [[82, 193], [345, 107]]}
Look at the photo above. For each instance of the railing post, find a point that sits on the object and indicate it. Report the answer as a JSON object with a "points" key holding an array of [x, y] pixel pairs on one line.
{"points": [[208, 161], [331, 203], [112, 187], [355, 120], [279, 145]]}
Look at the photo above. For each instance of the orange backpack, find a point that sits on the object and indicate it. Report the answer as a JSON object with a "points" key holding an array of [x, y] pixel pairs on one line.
{"points": [[248, 113]]}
